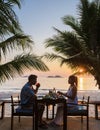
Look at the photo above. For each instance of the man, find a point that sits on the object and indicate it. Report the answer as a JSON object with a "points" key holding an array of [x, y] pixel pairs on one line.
{"points": [[28, 94]]}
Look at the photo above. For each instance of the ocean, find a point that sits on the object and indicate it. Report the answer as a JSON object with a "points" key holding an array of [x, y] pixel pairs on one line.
{"points": [[86, 84], [86, 87]]}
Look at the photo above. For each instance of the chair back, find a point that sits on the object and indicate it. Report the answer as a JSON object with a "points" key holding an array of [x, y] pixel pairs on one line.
{"points": [[14, 100], [85, 100], [17, 110], [81, 109]]}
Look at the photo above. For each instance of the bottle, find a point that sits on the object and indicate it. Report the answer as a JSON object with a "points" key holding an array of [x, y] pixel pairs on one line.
{"points": [[54, 93], [54, 90]]}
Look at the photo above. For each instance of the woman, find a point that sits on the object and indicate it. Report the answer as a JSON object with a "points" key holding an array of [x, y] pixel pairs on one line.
{"points": [[72, 98]]}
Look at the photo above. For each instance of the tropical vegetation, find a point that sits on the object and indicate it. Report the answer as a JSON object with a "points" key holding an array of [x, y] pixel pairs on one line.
{"points": [[15, 47], [79, 47]]}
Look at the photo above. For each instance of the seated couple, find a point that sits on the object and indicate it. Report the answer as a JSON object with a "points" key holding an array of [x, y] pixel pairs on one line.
{"points": [[28, 93]]}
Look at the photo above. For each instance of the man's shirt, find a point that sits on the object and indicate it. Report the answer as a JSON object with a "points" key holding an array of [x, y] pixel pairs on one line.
{"points": [[27, 94]]}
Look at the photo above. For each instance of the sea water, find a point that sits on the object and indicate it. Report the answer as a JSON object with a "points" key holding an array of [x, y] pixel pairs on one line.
{"points": [[86, 84], [86, 87]]}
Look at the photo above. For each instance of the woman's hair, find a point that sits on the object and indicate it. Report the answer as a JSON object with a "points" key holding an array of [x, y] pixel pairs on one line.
{"points": [[74, 79]]}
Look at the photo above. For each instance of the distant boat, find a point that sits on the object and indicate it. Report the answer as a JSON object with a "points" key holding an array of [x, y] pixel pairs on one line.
{"points": [[24, 76], [56, 76], [50, 76]]}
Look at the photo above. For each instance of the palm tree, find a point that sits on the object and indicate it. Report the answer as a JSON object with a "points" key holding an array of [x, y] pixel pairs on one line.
{"points": [[80, 47], [12, 41]]}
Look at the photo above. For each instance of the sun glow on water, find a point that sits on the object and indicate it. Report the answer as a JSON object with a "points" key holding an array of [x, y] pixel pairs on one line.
{"points": [[80, 83]]}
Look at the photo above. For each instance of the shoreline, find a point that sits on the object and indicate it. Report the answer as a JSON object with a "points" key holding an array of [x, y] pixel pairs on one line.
{"points": [[94, 94]]}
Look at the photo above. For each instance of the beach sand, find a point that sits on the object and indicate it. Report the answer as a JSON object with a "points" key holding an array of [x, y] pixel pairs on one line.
{"points": [[74, 123]]}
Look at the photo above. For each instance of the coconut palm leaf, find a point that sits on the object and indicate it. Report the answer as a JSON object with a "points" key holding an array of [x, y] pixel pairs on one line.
{"points": [[19, 65], [8, 20], [12, 38], [18, 41], [81, 46], [15, 2]]}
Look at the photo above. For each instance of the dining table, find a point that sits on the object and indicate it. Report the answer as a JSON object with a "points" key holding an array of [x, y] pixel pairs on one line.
{"points": [[51, 101], [97, 106]]}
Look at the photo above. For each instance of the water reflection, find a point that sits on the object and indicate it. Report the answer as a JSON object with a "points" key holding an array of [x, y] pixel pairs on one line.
{"points": [[80, 83], [86, 83]]}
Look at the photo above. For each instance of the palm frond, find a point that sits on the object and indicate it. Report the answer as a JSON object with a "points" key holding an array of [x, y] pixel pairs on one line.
{"points": [[52, 57], [18, 41], [72, 22], [15, 2], [19, 65], [8, 18]]}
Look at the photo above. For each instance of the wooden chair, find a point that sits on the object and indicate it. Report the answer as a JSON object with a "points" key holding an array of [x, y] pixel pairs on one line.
{"points": [[16, 110], [2, 109], [82, 109]]}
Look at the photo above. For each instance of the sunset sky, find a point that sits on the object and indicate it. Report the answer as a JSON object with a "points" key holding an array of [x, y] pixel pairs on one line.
{"points": [[38, 17]]}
